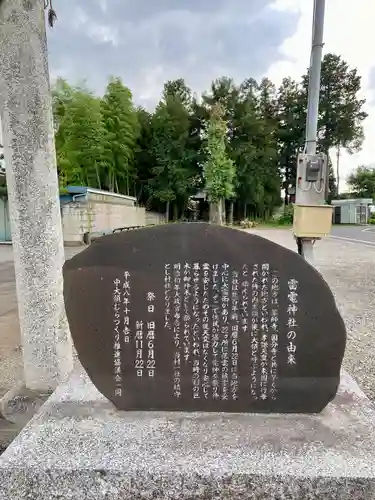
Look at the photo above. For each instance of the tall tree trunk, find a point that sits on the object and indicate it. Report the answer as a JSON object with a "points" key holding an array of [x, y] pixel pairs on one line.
{"points": [[175, 211], [326, 194], [245, 210], [98, 176], [216, 213], [231, 210], [184, 208], [223, 212], [167, 207]]}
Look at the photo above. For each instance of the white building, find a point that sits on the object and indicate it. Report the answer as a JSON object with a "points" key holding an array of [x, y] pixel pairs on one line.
{"points": [[352, 211]]}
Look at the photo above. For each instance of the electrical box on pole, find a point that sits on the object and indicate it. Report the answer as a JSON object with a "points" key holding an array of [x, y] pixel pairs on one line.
{"points": [[312, 178], [312, 217]]}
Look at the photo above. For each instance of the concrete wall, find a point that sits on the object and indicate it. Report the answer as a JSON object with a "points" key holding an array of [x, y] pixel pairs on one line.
{"points": [[100, 211], [154, 218], [95, 213], [79, 218]]}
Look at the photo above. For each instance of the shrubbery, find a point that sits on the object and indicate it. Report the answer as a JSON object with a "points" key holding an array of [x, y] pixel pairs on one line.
{"points": [[286, 218], [247, 223]]}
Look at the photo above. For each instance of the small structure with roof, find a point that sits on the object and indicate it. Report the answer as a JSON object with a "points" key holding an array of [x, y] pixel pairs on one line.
{"points": [[87, 210], [352, 211]]}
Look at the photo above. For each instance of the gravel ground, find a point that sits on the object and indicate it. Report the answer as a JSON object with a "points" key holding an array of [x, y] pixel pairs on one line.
{"points": [[349, 269]]}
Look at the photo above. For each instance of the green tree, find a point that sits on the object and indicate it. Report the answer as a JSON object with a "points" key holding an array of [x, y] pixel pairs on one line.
{"points": [[254, 149], [239, 141], [267, 98], [267, 150], [340, 121], [79, 136], [332, 183], [144, 160], [341, 112], [62, 95], [122, 129], [171, 175], [225, 92], [177, 89], [198, 118], [291, 116], [246, 127], [362, 182], [219, 171]]}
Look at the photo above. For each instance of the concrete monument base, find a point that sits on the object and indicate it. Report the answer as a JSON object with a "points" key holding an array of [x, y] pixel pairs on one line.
{"points": [[80, 446]]}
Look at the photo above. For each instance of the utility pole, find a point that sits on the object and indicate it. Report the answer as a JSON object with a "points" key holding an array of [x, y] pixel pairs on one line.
{"points": [[31, 174], [338, 170], [310, 219], [314, 76]]}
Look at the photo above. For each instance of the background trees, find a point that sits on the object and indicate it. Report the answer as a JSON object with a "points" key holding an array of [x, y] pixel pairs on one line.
{"points": [[79, 135], [238, 141], [362, 182]]}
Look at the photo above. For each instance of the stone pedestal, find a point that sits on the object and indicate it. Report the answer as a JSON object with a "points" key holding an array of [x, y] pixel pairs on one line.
{"points": [[80, 446]]}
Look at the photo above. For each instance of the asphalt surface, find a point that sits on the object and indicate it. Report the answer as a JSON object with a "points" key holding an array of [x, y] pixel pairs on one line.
{"points": [[359, 234]]}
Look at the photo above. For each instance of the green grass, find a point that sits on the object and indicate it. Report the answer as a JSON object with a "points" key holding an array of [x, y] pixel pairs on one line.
{"points": [[265, 225], [273, 225]]}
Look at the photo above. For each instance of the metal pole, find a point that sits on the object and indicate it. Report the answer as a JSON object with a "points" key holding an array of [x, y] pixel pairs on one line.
{"points": [[313, 96], [338, 170], [314, 77]]}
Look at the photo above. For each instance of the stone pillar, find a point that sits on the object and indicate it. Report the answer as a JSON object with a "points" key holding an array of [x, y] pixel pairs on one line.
{"points": [[25, 106]]}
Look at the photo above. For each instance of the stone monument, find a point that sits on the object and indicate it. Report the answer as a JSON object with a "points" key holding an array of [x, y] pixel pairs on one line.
{"points": [[219, 345], [198, 317]]}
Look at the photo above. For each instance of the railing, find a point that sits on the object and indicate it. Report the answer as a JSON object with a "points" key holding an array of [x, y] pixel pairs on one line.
{"points": [[89, 238]]}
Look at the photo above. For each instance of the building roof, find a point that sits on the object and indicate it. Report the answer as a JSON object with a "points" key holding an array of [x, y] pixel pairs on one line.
{"points": [[77, 190], [353, 201]]}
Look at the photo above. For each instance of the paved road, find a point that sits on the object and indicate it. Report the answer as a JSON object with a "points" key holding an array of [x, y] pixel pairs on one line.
{"points": [[9, 327], [361, 234], [9, 324]]}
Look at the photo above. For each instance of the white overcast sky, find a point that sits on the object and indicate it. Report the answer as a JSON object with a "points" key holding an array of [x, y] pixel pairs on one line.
{"points": [[147, 42]]}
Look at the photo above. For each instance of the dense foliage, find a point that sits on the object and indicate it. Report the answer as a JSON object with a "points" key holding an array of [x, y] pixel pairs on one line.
{"points": [[238, 142], [362, 182]]}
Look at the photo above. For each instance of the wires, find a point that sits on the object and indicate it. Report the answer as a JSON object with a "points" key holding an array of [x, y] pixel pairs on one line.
{"points": [[319, 191]]}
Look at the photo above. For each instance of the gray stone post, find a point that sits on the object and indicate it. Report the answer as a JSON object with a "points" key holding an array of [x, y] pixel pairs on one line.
{"points": [[29, 150]]}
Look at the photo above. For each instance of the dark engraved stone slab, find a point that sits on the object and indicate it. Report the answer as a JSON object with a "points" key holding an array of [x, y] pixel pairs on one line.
{"points": [[197, 317]]}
